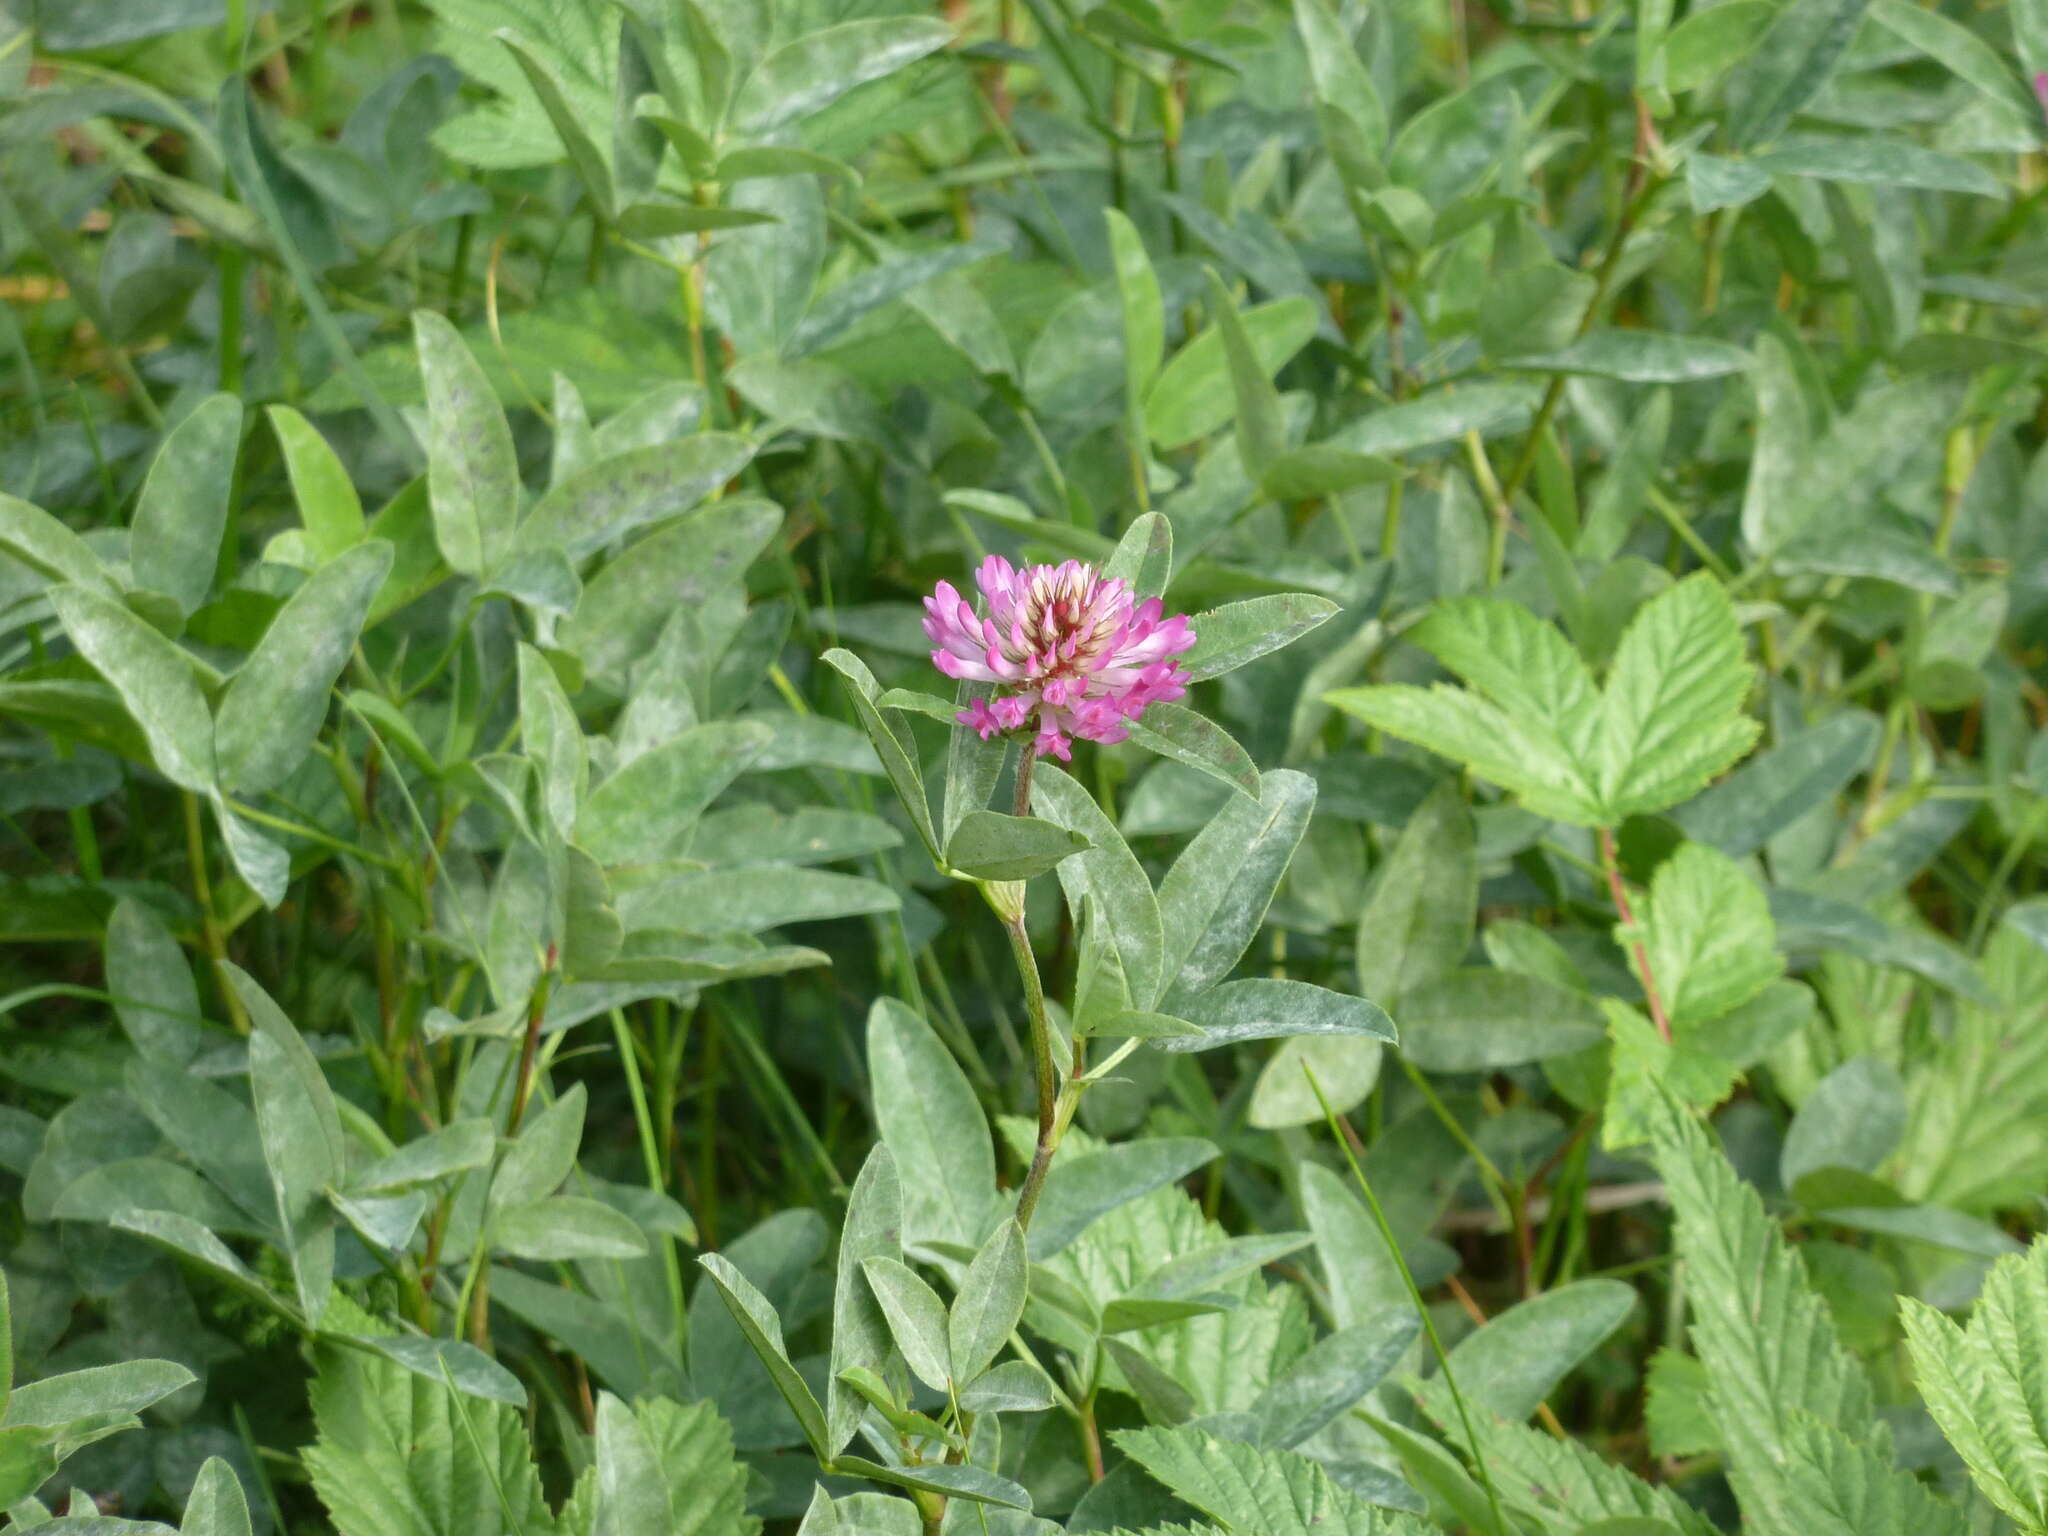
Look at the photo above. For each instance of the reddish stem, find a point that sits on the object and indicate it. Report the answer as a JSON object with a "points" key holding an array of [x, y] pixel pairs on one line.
{"points": [[1612, 865]]}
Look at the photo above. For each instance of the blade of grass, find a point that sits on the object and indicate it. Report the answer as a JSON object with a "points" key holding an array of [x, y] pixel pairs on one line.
{"points": [[1436, 1342]]}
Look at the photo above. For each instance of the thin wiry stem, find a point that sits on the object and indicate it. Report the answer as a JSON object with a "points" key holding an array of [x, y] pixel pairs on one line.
{"points": [[1436, 1342]]}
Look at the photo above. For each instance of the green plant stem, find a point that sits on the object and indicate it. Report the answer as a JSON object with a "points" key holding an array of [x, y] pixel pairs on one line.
{"points": [[536, 1013], [650, 1157], [1603, 280], [1436, 1343], [209, 917], [1091, 1440], [1045, 1073], [1611, 865], [1994, 887], [232, 262], [1490, 1176]]}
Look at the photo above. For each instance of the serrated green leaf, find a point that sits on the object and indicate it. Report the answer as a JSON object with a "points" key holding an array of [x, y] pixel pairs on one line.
{"points": [[1273, 1492], [397, 1454], [1707, 930], [1986, 1384], [1765, 1337], [1670, 712]]}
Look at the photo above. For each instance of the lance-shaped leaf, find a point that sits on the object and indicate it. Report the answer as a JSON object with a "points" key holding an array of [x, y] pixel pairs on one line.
{"points": [[1144, 315], [892, 744], [1260, 435], [472, 473], [762, 1327], [302, 1141], [329, 508], [917, 1319], [1227, 638], [275, 702], [1188, 736], [816, 69], [1272, 1008], [153, 678], [860, 1332], [1109, 874], [584, 154], [990, 1302], [1082, 1188], [175, 544], [43, 544], [1214, 899]]}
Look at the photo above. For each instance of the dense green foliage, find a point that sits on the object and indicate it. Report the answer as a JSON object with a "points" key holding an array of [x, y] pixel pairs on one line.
{"points": [[524, 1013]]}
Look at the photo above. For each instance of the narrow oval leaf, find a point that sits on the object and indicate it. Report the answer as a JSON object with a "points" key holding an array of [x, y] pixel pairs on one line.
{"points": [[1080, 1190], [917, 1319], [175, 544], [818, 68], [153, 678], [1478, 1020], [329, 508], [1228, 637], [990, 1302], [990, 846], [613, 496], [276, 700], [472, 473], [1639, 357], [1269, 1008]]}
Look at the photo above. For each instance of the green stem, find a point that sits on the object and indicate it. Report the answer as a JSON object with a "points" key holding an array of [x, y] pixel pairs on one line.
{"points": [[232, 264], [1010, 906], [1390, 523], [1610, 262], [1436, 1343], [209, 916], [650, 1156], [1490, 1176], [2008, 861]]}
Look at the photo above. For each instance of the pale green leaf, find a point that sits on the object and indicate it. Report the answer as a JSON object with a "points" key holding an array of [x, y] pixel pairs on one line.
{"points": [[472, 473], [175, 544], [1670, 715]]}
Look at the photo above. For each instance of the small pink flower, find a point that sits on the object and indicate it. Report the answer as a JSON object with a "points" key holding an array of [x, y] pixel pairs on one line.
{"points": [[1073, 649]]}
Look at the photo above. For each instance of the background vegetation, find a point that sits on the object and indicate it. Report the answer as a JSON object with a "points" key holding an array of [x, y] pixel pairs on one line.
{"points": [[448, 891]]}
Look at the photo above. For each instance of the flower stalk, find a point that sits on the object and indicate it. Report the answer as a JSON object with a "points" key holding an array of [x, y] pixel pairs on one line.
{"points": [[1071, 652]]}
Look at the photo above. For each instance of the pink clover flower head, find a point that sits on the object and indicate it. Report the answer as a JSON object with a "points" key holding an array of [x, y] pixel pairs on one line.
{"points": [[1068, 648]]}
